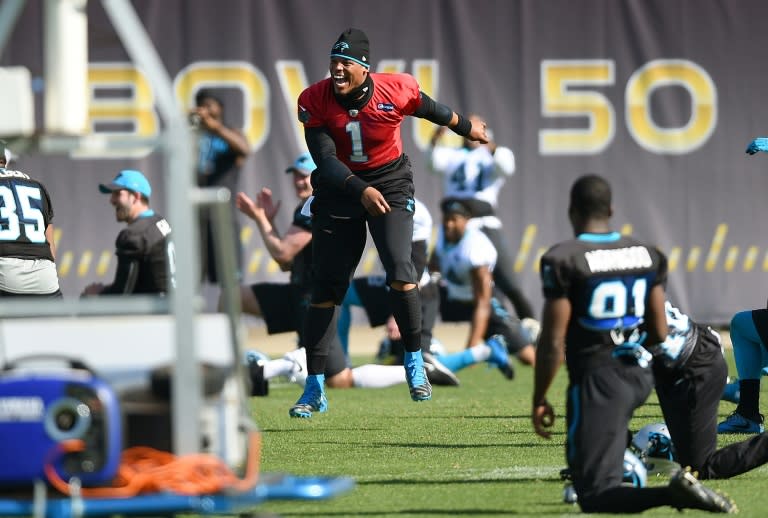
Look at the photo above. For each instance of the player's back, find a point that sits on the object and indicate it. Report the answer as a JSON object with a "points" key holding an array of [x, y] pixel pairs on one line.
{"points": [[25, 212], [607, 279]]}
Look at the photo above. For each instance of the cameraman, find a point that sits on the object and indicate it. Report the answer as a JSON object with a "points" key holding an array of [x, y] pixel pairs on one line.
{"points": [[221, 152]]}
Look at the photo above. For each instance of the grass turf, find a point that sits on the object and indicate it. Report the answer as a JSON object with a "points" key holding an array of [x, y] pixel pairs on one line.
{"points": [[470, 451]]}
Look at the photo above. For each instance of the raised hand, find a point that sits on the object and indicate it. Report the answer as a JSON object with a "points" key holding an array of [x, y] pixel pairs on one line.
{"points": [[264, 200]]}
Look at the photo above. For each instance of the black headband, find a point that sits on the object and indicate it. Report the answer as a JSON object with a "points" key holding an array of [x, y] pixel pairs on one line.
{"points": [[352, 44], [453, 206]]}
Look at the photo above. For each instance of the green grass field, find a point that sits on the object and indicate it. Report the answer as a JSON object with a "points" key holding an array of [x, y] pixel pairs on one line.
{"points": [[470, 451]]}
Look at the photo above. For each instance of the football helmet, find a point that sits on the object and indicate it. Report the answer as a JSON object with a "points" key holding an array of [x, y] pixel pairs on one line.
{"points": [[653, 441]]}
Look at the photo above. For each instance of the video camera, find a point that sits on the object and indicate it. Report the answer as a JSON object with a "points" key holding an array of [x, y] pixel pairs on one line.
{"points": [[40, 407]]}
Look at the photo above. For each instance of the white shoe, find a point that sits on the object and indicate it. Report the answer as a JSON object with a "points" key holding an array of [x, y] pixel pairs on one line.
{"points": [[256, 357], [299, 358]]}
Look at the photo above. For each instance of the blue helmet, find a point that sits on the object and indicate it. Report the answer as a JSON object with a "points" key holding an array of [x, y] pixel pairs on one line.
{"points": [[654, 441]]}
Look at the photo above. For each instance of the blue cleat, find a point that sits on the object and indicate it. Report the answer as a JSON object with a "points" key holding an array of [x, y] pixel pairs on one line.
{"points": [[312, 400], [732, 392], [500, 356], [416, 376], [737, 423]]}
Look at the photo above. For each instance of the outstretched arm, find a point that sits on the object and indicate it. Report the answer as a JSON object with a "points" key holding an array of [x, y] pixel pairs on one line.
{"points": [[282, 249], [442, 115]]}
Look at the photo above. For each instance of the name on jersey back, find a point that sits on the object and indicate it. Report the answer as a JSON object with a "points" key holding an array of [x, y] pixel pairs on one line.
{"points": [[630, 258]]}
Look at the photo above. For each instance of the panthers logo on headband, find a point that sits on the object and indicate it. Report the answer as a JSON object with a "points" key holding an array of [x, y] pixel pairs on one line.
{"points": [[341, 46]]}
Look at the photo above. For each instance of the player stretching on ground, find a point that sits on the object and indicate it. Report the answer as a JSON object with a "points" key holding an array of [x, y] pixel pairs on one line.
{"points": [[598, 289]]}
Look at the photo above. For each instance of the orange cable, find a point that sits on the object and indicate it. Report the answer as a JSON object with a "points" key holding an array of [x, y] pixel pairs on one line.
{"points": [[147, 470]]}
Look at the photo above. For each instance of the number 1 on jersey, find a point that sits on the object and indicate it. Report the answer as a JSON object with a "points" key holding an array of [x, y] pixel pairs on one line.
{"points": [[353, 128]]}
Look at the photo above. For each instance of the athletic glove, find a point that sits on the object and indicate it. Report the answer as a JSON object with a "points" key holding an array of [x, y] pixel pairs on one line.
{"points": [[759, 144], [633, 353]]}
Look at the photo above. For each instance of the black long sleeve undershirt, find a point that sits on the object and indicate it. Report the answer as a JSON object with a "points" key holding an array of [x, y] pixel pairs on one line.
{"points": [[323, 150]]}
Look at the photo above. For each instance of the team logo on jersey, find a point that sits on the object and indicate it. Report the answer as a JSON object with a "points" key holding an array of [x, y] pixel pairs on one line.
{"points": [[386, 107], [163, 227]]}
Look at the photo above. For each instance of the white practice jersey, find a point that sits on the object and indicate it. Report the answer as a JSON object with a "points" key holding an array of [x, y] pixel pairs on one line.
{"points": [[457, 260], [473, 174], [422, 223]]}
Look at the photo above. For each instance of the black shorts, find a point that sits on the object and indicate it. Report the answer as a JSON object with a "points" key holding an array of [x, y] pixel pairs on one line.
{"points": [[339, 237], [283, 306], [500, 321], [690, 399], [373, 293]]}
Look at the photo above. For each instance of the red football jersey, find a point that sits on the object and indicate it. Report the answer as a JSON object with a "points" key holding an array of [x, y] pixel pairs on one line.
{"points": [[370, 138]]}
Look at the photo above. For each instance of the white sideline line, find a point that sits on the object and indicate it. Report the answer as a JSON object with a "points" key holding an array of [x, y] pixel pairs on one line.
{"points": [[512, 472], [506, 473]]}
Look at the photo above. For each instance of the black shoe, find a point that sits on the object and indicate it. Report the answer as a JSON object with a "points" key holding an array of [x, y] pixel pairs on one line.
{"points": [[437, 373], [259, 385], [692, 494], [508, 371]]}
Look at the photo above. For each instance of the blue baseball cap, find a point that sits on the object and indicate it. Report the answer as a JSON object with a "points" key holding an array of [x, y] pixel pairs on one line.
{"points": [[129, 180], [303, 165]]}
